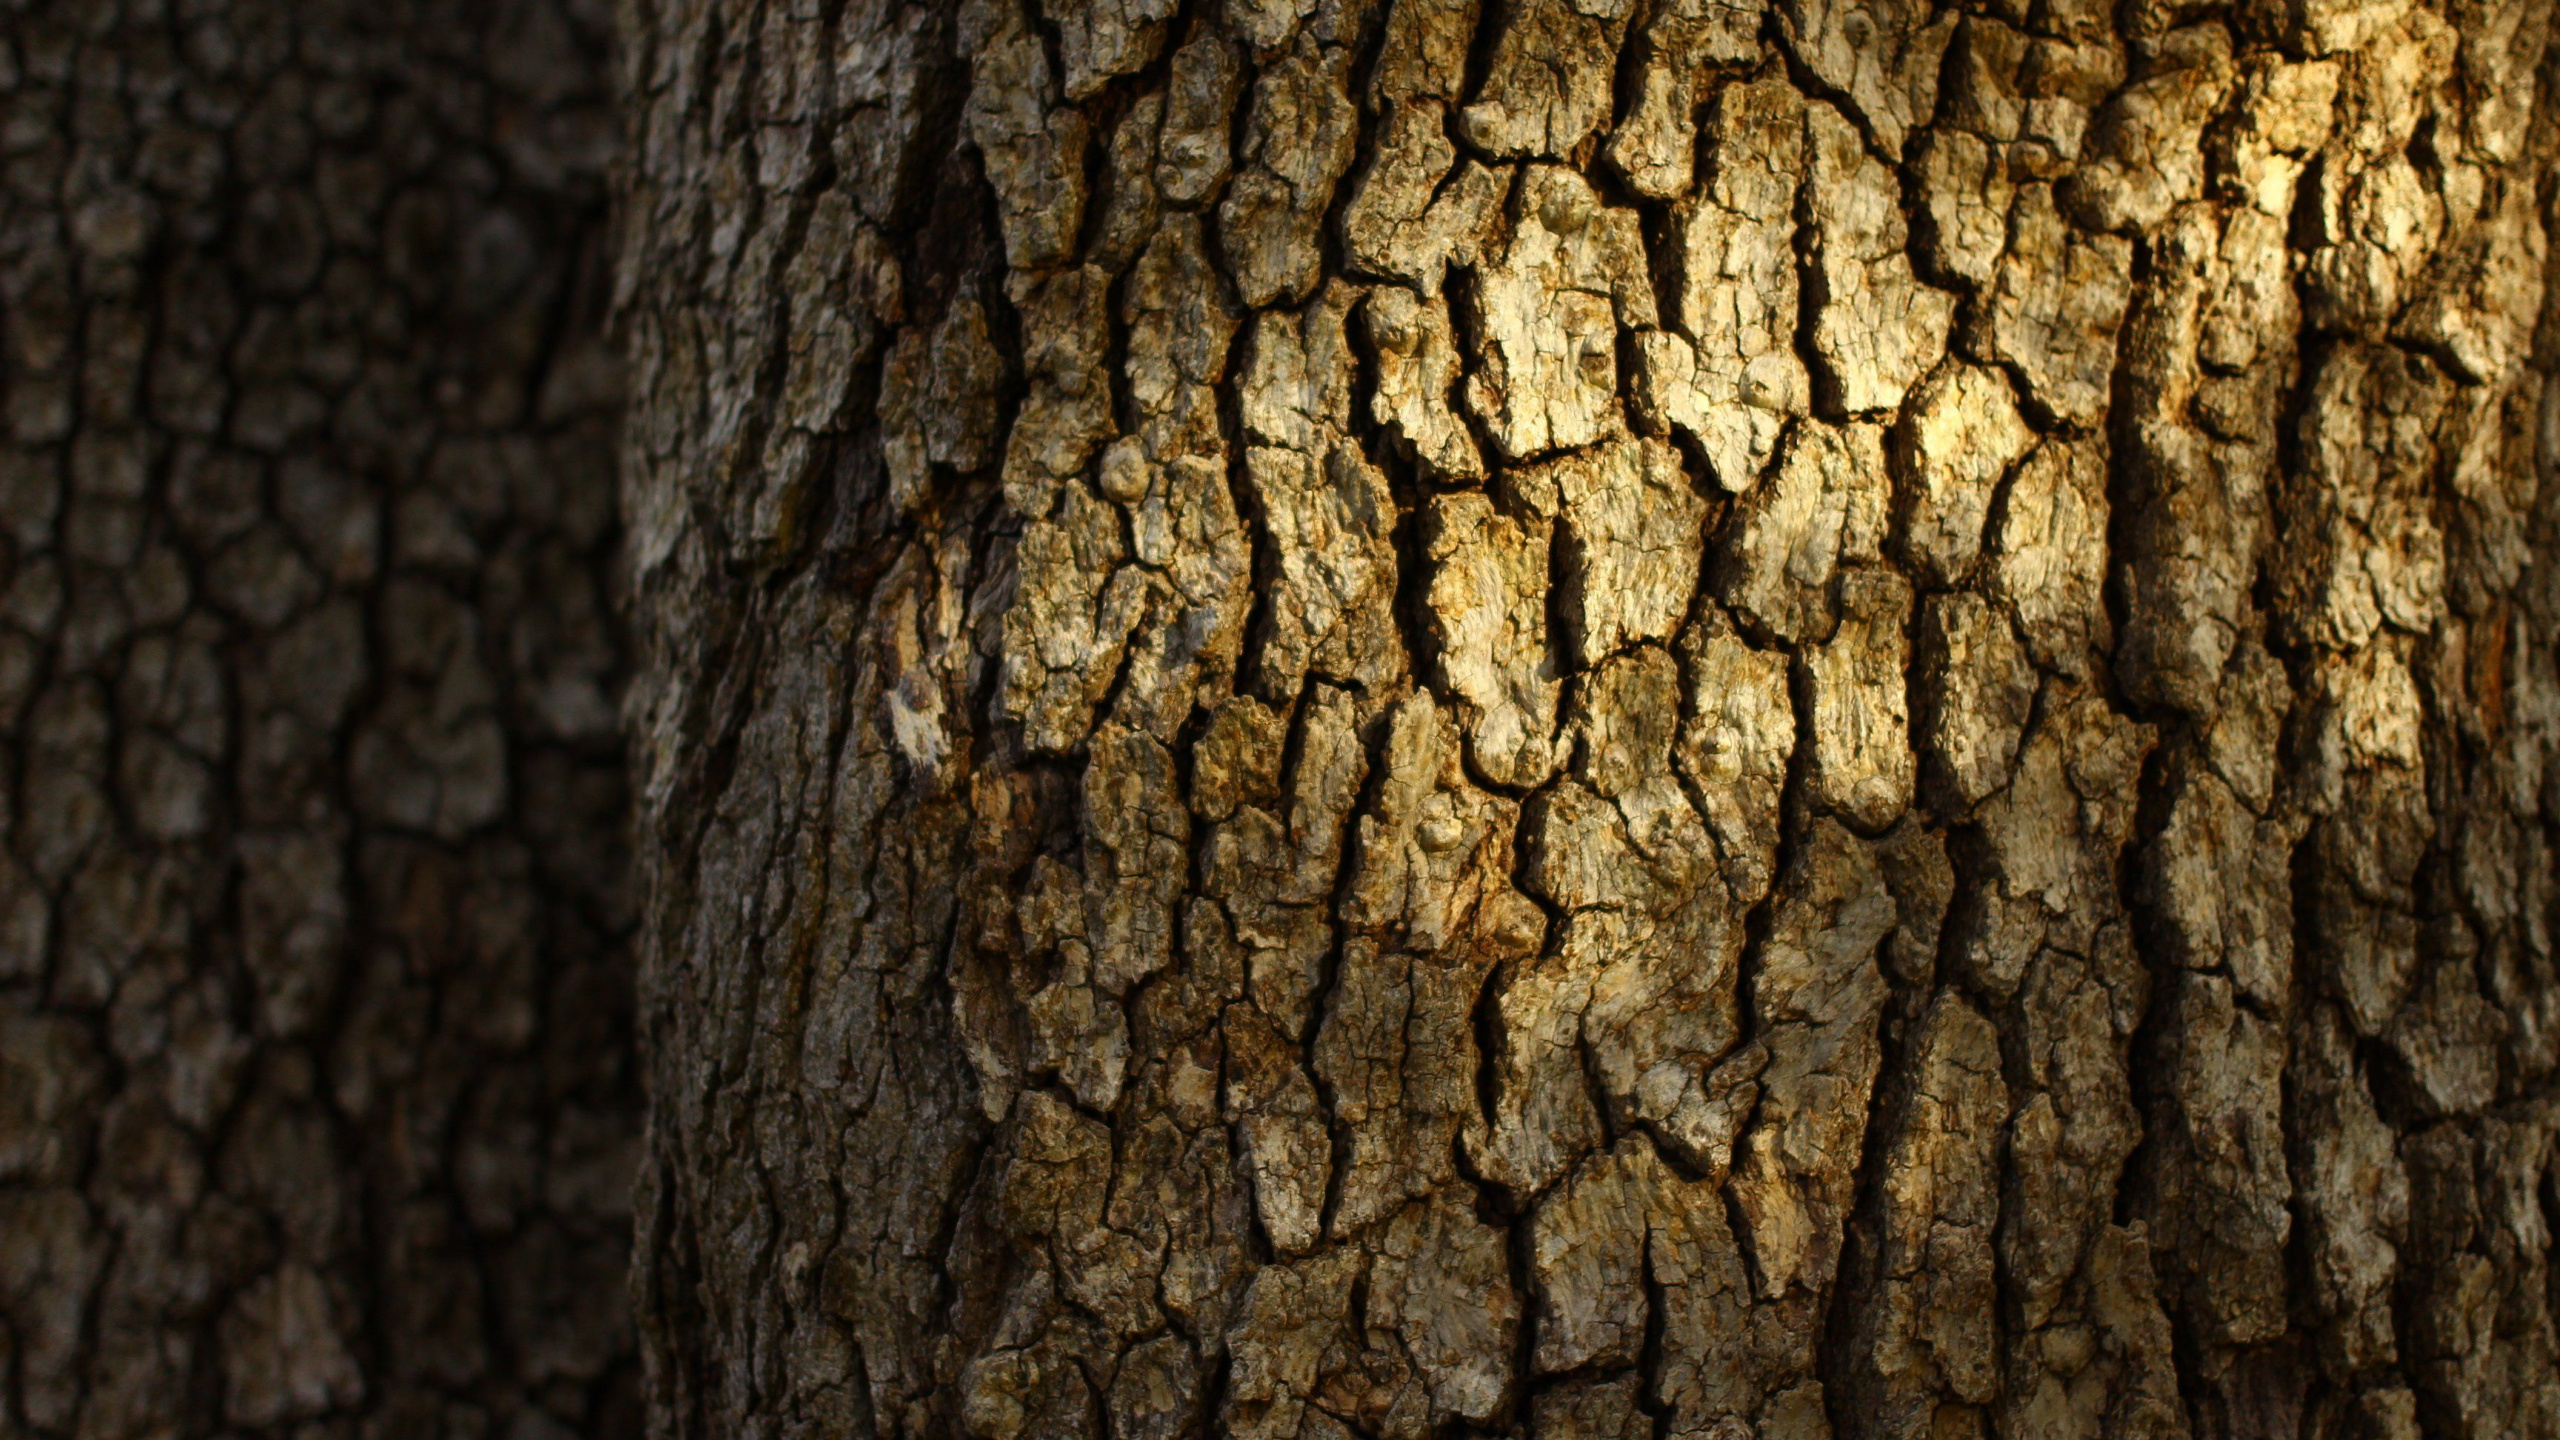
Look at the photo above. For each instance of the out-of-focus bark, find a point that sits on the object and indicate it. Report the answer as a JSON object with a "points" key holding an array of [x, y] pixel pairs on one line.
{"points": [[316, 1105], [1596, 718]]}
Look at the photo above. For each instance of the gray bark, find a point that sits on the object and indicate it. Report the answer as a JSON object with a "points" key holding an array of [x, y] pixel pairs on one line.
{"points": [[316, 1106]]}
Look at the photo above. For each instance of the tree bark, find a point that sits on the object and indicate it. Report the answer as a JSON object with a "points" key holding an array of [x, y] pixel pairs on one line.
{"points": [[1586, 718], [1595, 720], [316, 1106]]}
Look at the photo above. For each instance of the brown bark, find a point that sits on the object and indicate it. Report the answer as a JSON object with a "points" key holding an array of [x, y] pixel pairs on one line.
{"points": [[1353, 717], [315, 1101], [1583, 718]]}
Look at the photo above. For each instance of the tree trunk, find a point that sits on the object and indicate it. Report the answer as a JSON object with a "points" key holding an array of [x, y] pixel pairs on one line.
{"points": [[1597, 719], [1383, 719], [315, 1104], [1329, 746]]}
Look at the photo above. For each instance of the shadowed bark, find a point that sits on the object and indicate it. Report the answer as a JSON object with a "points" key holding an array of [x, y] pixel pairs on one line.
{"points": [[316, 1102]]}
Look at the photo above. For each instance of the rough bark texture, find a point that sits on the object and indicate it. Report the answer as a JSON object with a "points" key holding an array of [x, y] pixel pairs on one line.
{"points": [[316, 1111], [1596, 718]]}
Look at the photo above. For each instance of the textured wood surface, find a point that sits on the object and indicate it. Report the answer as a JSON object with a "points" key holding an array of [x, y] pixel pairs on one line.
{"points": [[317, 1104], [1592, 718]]}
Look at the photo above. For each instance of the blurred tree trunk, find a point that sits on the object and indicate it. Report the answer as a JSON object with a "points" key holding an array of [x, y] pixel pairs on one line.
{"points": [[316, 1106], [1595, 718]]}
